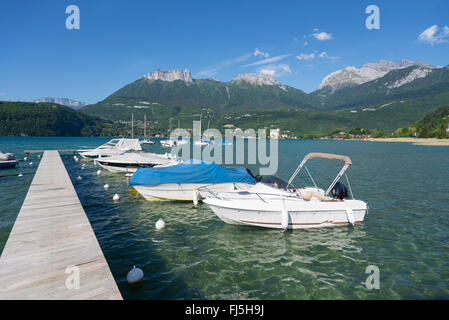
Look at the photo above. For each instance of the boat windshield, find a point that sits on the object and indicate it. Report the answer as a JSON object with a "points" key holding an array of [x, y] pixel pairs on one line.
{"points": [[276, 182], [111, 143]]}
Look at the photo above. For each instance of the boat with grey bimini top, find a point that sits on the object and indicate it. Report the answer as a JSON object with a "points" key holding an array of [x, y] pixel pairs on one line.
{"points": [[276, 203]]}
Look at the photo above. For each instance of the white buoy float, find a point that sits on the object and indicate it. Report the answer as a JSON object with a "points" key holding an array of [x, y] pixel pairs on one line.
{"points": [[98, 172], [20, 175], [106, 187], [116, 197], [76, 158], [25, 159], [30, 163], [134, 275], [160, 224], [79, 178]]}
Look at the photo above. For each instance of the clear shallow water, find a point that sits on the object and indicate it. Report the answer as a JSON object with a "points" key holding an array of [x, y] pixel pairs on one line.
{"points": [[406, 233]]}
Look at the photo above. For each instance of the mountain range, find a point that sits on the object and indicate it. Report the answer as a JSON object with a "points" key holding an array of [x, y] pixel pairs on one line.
{"points": [[384, 95], [63, 101]]}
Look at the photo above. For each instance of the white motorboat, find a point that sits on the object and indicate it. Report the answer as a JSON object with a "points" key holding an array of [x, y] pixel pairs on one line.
{"points": [[276, 203], [147, 141], [182, 181], [172, 143], [7, 160], [202, 143], [112, 148], [131, 161]]}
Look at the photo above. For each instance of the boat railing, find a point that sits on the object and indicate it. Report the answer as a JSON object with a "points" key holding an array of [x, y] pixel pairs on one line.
{"points": [[295, 195]]}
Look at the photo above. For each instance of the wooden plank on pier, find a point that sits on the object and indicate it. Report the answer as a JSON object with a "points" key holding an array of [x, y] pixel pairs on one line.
{"points": [[27, 152], [51, 242]]}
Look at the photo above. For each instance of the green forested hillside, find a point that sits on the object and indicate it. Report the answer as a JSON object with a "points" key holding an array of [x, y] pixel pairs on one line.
{"points": [[47, 119], [433, 125], [212, 94]]}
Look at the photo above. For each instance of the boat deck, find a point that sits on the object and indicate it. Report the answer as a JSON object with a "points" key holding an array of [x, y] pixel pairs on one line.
{"points": [[52, 242]]}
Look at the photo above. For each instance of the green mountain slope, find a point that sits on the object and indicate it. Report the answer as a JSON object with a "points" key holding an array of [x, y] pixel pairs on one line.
{"points": [[433, 125], [46, 119], [208, 93]]}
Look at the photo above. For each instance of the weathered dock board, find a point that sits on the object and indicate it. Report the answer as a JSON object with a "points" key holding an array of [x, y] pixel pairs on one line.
{"points": [[50, 237]]}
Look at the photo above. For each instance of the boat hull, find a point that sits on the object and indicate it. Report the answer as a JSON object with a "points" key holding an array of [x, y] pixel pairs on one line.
{"points": [[309, 214], [8, 164], [183, 191]]}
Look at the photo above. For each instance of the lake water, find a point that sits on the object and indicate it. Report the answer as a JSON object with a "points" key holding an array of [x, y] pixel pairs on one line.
{"points": [[405, 234]]}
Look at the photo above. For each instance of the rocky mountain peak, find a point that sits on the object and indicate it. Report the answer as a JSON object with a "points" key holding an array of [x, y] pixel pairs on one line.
{"points": [[256, 78], [170, 75], [370, 71]]}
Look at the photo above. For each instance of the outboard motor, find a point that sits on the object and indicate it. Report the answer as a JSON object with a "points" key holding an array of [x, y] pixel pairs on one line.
{"points": [[339, 191]]}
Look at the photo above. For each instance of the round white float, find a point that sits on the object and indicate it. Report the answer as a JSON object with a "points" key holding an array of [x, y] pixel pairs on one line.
{"points": [[134, 275], [160, 224]]}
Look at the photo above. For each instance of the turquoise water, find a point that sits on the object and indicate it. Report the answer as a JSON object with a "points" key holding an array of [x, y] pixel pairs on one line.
{"points": [[406, 233]]}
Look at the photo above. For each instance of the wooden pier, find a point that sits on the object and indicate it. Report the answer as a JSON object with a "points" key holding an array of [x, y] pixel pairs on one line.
{"points": [[52, 252]]}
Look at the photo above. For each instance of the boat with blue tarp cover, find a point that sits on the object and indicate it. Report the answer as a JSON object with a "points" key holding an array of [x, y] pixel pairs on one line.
{"points": [[182, 181]]}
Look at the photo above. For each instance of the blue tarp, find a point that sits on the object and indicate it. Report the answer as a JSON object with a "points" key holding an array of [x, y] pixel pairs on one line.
{"points": [[192, 171]]}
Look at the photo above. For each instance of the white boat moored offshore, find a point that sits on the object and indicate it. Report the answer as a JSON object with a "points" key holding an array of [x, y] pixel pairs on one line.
{"points": [[7, 160], [276, 203], [182, 181], [146, 141], [131, 161], [172, 143], [112, 148]]}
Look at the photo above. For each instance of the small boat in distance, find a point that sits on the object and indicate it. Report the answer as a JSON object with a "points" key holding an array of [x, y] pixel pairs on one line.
{"points": [[129, 162], [7, 160], [276, 203], [172, 143], [182, 181], [111, 148], [146, 141]]}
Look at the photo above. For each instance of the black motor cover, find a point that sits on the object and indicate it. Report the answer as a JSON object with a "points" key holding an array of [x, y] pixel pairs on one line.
{"points": [[339, 191]]}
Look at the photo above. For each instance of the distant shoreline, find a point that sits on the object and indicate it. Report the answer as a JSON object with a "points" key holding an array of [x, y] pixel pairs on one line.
{"points": [[416, 141]]}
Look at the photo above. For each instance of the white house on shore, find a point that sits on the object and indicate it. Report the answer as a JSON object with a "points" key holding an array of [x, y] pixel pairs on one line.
{"points": [[274, 133]]}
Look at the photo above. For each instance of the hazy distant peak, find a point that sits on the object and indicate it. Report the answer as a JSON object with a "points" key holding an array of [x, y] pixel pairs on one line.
{"points": [[64, 101]]}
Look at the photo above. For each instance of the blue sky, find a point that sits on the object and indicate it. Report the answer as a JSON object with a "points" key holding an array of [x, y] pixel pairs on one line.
{"points": [[299, 42]]}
